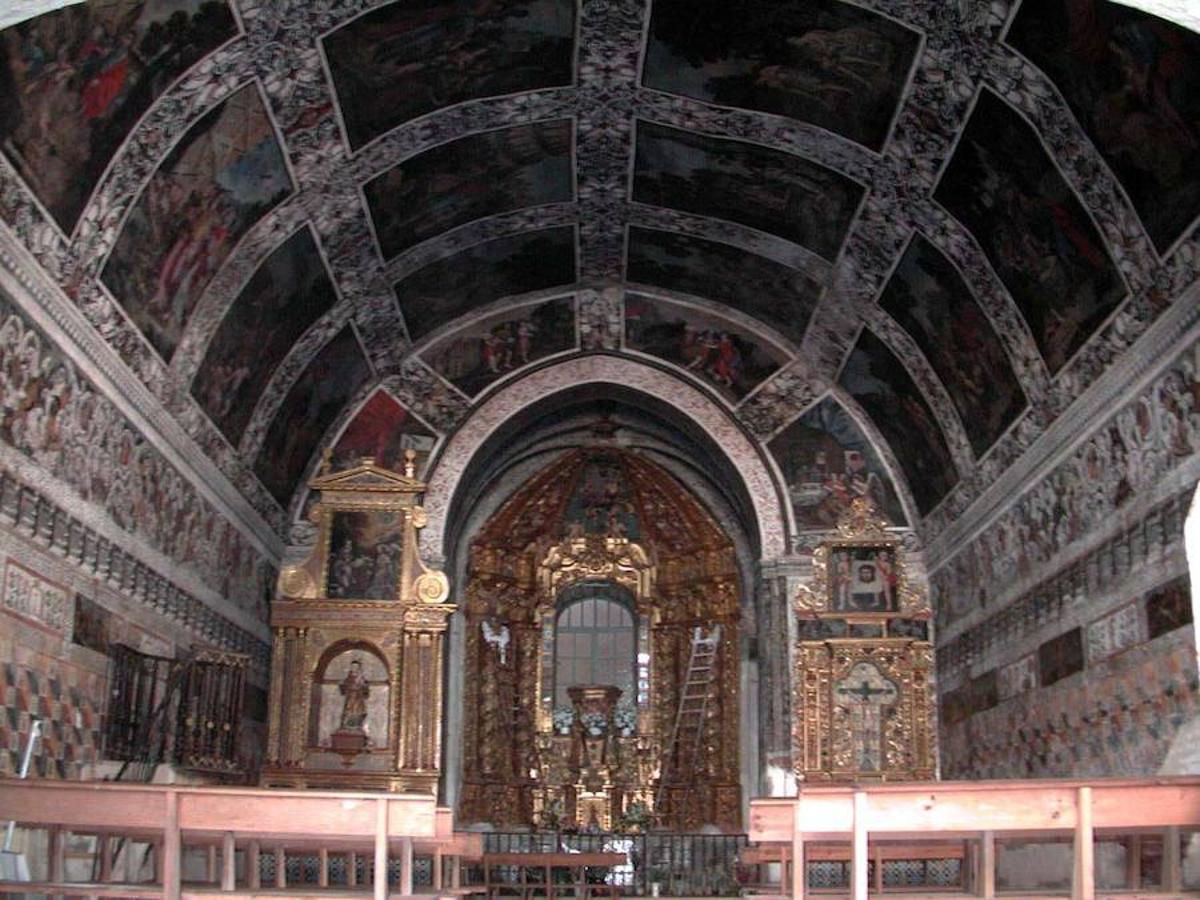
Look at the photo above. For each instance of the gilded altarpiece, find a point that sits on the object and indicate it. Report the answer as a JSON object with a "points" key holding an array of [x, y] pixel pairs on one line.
{"points": [[597, 523], [863, 692], [359, 631]]}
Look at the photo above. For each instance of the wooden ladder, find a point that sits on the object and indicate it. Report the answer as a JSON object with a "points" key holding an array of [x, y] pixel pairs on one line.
{"points": [[687, 734]]}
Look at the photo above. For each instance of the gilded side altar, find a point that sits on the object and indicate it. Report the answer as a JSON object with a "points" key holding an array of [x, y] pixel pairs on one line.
{"points": [[359, 629]]}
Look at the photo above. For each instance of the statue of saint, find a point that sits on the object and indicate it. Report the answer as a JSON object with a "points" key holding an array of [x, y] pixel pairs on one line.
{"points": [[354, 688]]}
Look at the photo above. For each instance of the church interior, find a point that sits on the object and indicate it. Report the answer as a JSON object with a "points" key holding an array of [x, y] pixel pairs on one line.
{"points": [[601, 417]]}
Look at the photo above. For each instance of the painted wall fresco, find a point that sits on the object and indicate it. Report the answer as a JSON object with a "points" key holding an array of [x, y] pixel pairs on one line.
{"points": [[492, 347], [475, 176], [767, 189], [75, 82], [821, 61], [408, 59], [383, 430], [290, 291], [929, 298], [1132, 452], [826, 462], [52, 415], [880, 383], [447, 288], [222, 177], [712, 348], [778, 295], [314, 401], [1133, 82], [1004, 188]]}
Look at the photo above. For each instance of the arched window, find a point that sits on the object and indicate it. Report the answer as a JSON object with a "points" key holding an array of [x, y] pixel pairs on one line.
{"points": [[595, 644]]}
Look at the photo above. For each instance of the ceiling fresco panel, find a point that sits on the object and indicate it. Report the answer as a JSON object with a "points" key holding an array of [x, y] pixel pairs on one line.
{"points": [[729, 357], [930, 300], [876, 378], [319, 394], [493, 346], [76, 81], [774, 293], [383, 430], [224, 175], [770, 190], [443, 290], [408, 59], [826, 462], [1004, 188], [1133, 82], [470, 178], [820, 61], [290, 291]]}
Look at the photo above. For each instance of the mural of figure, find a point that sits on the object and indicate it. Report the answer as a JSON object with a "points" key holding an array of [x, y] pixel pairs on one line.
{"points": [[354, 688]]}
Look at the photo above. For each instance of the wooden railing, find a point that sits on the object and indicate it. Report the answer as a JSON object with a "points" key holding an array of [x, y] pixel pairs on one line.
{"points": [[225, 820], [980, 812]]}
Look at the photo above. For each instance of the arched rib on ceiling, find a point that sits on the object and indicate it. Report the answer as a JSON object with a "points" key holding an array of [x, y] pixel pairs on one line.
{"points": [[607, 135]]}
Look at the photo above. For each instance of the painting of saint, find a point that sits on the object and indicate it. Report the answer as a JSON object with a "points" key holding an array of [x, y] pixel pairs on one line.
{"points": [[383, 430], [470, 178], [77, 80], [1004, 188], [863, 579], [777, 294], [711, 348], [773, 191], [821, 61], [364, 554], [223, 176], [879, 382], [288, 293], [827, 462], [490, 348], [929, 299], [448, 288], [319, 394], [407, 59], [1133, 81]]}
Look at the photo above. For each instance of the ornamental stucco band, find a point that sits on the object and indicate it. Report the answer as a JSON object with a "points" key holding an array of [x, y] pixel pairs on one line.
{"points": [[508, 402]]}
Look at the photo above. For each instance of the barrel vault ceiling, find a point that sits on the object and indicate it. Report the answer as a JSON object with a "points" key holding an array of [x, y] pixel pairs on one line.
{"points": [[945, 219]]}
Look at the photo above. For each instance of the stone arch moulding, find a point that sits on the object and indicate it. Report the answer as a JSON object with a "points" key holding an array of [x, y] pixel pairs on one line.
{"points": [[706, 413]]}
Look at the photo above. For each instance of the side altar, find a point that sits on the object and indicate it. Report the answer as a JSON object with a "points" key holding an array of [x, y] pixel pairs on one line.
{"points": [[359, 633], [863, 692]]}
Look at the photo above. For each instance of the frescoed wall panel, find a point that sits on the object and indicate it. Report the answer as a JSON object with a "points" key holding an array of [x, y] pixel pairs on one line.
{"points": [[827, 462], [712, 348], [772, 191], [383, 429], [1002, 185], [447, 288], [290, 291], [820, 61], [880, 383], [494, 346], [407, 59], [1133, 82], [222, 177], [753, 284], [314, 401], [476, 176], [77, 80], [928, 297]]}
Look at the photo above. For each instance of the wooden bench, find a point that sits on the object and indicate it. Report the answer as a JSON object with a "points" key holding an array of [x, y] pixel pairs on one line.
{"points": [[575, 865]]}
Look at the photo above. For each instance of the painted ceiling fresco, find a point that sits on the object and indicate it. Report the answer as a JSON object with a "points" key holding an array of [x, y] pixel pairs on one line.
{"points": [[408, 59], [821, 61], [776, 192], [468, 179], [893, 239], [77, 80]]}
